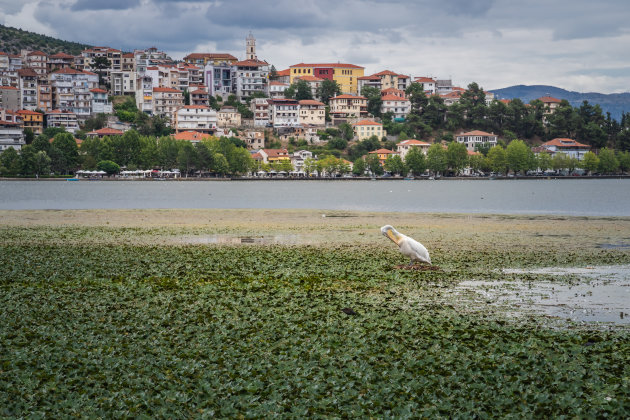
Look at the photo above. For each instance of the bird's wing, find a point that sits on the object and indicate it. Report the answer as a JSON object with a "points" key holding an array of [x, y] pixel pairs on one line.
{"points": [[415, 250]]}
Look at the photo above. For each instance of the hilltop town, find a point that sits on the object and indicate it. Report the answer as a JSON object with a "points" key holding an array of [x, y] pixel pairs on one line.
{"points": [[142, 113]]}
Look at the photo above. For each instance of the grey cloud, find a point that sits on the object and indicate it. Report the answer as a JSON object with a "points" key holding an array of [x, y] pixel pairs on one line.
{"points": [[104, 4]]}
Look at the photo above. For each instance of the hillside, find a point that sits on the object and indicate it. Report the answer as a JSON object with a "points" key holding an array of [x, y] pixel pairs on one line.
{"points": [[12, 40], [615, 103]]}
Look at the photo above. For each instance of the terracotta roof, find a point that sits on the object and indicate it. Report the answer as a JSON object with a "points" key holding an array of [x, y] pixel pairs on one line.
{"points": [[191, 135], [384, 152], [278, 84], [195, 56], [28, 112], [392, 90], [98, 90], [475, 133], [412, 142], [424, 80], [61, 55], [372, 77], [348, 97], [286, 72], [36, 53], [473, 153], [76, 140], [454, 94], [549, 99], [251, 63], [27, 72], [311, 102], [106, 131], [195, 107], [367, 122], [385, 73], [566, 143], [283, 101], [457, 89], [73, 71], [199, 92], [166, 89], [276, 152], [393, 98], [310, 79], [402, 76], [339, 65], [8, 87], [128, 55], [505, 101]]}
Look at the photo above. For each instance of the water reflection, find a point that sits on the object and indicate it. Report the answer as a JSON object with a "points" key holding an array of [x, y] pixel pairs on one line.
{"points": [[603, 296]]}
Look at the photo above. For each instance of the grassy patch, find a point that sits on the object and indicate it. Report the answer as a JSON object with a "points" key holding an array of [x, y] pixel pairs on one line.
{"points": [[119, 321]]}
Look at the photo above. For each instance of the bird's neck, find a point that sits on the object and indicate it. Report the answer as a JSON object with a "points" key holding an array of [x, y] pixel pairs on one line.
{"points": [[393, 236]]}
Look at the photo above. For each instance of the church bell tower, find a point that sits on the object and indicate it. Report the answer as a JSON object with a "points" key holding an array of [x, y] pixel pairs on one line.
{"points": [[250, 52]]}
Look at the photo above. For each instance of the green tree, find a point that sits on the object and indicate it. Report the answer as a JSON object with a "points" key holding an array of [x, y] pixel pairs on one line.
{"points": [[436, 159], [41, 163], [302, 90], [346, 131], [168, 151], [608, 162], [456, 156], [41, 143], [497, 159], [416, 161], [327, 90], [518, 156], [29, 136], [10, 162], [220, 164], [69, 152], [374, 101], [310, 165], [590, 162], [624, 160], [373, 164], [358, 167], [187, 158], [108, 167], [205, 156], [99, 64], [394, 164], [543, 161]]}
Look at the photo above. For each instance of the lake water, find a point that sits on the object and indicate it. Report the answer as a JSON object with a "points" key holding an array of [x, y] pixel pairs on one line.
{"points": [[578, 197]]}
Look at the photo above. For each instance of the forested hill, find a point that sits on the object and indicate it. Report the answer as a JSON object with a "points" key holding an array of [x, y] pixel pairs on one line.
{"points": [[615, 103], [13, 40]]}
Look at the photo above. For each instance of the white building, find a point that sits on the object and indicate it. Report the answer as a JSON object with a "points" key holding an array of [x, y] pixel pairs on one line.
{"points": [[71, 91], [166, 101], [123, 82], [249, 77], [472, 139], [399, 107], [28, 89], [260, 108], [284, 112], [228, 116], [144, 94], [196, 117], [569, 147], [100, 103], [405, 146], [429, 85], [11, 130], [312, 112], [62, 119], [276, 90]]}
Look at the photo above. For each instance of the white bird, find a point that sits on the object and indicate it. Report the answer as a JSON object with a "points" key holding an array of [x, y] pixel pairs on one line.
{"points": [[408, 246]]}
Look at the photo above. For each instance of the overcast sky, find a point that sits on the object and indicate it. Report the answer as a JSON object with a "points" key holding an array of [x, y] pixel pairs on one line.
{"points": [[581, 45]]}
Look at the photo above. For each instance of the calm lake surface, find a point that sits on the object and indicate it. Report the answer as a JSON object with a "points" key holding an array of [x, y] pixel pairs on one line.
{"points": [[579, 197]]}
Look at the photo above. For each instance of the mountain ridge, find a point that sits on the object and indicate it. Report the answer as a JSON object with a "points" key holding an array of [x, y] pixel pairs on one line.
{"points": [[12, 40], [615, 103]]}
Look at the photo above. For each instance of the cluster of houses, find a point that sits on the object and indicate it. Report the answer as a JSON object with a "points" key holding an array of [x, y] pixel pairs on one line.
{"points": [[61, 90]]}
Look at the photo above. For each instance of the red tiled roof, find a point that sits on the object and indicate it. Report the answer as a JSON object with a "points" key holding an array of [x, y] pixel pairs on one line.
{"points": [[195, 56], [335, 65], [28, 112], [348, 97], [36, 53], [454, 94], [473, 153], [191, 135], [199, 92], [384, 152], [106, 131], [276, 152], [311, 102], [73, 71], [8, 87], [475, 133], [424, 80], [549, 99], [277, 84], [27, 72], [310, 79], [251, 63], [128, 55], [195, 107], [98, 90], [412, 142], [166, 89], [385, 73], [372, 77], [286, 72], [566, 143], [393, 98], [367, 122], [61, 55]]}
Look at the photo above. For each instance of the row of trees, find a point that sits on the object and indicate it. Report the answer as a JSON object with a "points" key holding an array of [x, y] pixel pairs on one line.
{"points": [[131, 150], [429, 114], [517, 158]]}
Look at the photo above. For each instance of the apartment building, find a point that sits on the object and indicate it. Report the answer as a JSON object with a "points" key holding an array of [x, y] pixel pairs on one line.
{"points": [[100, 102], [167, 101], [33, 120], [10, 98], [36, 60], [198, 118], [228, 116], [385, 80], [348, 106], [62, 119], [398, 106], [60, 61], [284, 112], [260, 108], [249, 77], [28, 88], [346, 75], [71, 91], [312, 112], [365, 129]]}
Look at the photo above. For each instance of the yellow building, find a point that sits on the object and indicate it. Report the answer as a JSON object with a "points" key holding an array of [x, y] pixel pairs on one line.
{"points": [[33, 120], [366, 129], [346, 75], [383, 154]]}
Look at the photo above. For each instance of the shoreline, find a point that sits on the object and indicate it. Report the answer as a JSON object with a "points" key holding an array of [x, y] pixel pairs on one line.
{"points": [[453, 178]]}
